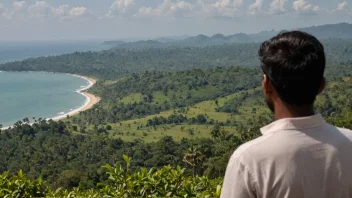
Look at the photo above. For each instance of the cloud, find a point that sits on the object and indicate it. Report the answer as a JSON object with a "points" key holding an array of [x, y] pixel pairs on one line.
{"points": [[255, 7], [64, 12], [222, 8], [5, 13], [342, 9], [19, 5], [277, 6], [343, 6], [121, 8], [80, 12], [168, 8], [61, 11], [42, 10], [303, 7]]}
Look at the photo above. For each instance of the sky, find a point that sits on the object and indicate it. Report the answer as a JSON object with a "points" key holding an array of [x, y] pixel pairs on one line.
{"points": [[145, 19]]}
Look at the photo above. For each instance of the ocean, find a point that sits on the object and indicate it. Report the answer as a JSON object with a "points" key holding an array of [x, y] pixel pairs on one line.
{"points": [[39, 95], [14, 51]]}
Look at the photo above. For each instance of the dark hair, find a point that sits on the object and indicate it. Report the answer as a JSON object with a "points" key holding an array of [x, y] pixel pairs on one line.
{"points": [[294, 62]]}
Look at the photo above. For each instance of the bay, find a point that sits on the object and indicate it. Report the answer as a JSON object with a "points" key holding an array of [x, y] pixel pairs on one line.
{"points": [[38, 94]]}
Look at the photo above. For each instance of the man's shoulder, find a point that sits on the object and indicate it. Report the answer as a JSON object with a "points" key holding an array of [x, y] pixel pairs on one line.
{"points": [[248, 146], [346, 132]]}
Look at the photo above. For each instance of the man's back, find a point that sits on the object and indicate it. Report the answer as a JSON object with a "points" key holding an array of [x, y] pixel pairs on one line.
{"points": [[295, 157]]}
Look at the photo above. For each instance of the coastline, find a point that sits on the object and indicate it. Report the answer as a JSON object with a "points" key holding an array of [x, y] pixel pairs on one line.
{"points": [[91, 99]]}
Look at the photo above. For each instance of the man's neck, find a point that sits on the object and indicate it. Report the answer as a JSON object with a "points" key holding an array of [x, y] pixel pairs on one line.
{"points": [[293, 111]]}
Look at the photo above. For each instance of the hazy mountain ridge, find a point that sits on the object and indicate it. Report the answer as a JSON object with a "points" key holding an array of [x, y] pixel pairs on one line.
{"points": [[341, 31]]}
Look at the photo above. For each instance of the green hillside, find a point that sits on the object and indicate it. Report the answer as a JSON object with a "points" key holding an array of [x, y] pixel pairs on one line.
{"points": [[163, 108], [116, 63], [209, 129], [213, 112]]}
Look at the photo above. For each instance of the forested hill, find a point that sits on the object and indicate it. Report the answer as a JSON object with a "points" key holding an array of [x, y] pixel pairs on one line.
{"points": [[194, 119], [329, 31], [115, 63]]}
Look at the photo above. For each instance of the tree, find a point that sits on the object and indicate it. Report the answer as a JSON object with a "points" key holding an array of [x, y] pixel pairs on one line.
{"points": [[108, 127], [215, 132], [194, 158], [191, 131], [201, 119], [69, 179]]}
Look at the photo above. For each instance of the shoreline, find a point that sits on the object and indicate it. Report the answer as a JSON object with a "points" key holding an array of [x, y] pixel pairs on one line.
{"points": [[91, 99]]}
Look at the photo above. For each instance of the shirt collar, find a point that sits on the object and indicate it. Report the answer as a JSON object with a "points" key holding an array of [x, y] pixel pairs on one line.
{"points": [[294, 124]]}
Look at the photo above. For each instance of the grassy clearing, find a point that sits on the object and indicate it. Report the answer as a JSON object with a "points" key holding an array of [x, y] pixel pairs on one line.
{"points": [[136, 128], [133, 129], [130, 132], [136, 97]]}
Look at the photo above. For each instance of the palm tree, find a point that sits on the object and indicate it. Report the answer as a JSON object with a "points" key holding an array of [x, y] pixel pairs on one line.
{"points": [[25, 120], [215, 132], [194, 158]]}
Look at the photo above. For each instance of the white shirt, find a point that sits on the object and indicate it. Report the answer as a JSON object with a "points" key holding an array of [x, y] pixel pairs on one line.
{"points": [[295, 158]]}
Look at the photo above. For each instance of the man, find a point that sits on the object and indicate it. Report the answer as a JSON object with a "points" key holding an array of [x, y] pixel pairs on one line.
{"points": [[299, 155]]}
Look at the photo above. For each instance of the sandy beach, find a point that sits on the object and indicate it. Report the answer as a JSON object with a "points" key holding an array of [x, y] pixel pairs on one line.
{"points": [[90, 102]]}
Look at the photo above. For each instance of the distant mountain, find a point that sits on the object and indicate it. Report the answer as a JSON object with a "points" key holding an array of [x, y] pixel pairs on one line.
{"points": [[142, 44], [240, 38], [113, 43], [330, 31], [262, 36], [200, 40], [341, 30], [171, 38]]}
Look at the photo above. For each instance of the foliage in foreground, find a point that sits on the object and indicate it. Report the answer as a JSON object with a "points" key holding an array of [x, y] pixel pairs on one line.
{"points": [[121, 182]]}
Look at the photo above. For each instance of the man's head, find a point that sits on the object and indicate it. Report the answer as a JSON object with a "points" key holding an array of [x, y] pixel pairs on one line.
{"points": [[293, 64]]}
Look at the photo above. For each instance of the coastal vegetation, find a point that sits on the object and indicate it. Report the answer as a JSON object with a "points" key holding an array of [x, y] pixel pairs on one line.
{"points": [[167, 122], [115, 63]]}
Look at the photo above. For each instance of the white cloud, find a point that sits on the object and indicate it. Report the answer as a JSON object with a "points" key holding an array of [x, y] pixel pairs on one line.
{"points": [[343, 9], [41, 9], [168, 8], [64, 12], [118, 4], [303, 7], [222, 8], [277, 6], [79, 11], [61, 11], [121, 8], [255, 7], [19, 5], [5, 13], [343, 6]]}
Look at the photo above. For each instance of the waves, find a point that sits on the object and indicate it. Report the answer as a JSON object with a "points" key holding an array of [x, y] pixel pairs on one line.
{"points": [[82, 92]]}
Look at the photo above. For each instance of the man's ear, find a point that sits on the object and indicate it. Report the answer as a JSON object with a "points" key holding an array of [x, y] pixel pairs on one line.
{"points": [[322, 86], [267, 86]]}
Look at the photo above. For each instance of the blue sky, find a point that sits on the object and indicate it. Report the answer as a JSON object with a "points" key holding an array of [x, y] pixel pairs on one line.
{"points": [[122, 19]]}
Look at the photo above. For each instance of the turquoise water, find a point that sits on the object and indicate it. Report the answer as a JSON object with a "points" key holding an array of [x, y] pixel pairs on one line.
{"points": [[38, 94]]}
